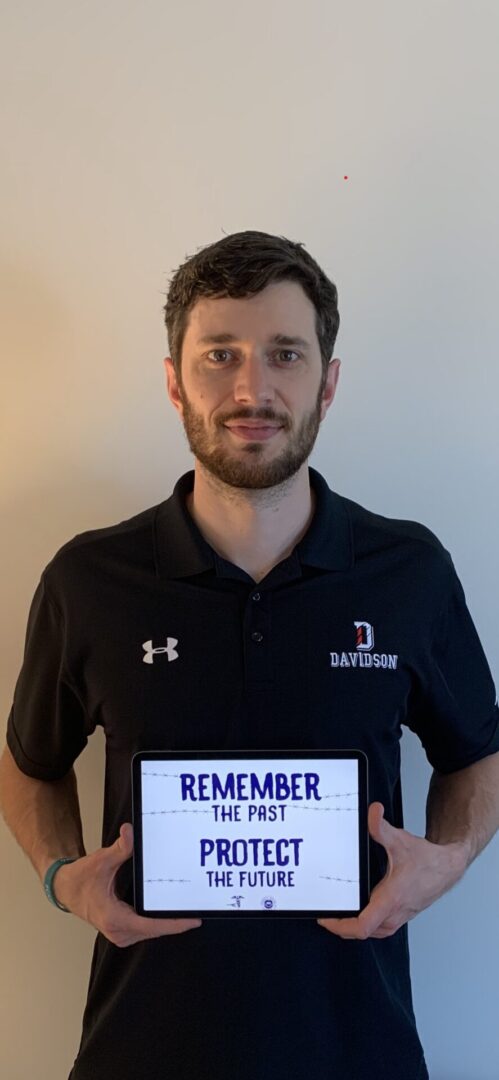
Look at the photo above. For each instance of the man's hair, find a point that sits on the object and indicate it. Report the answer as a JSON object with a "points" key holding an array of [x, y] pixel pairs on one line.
{"points": [[242, 264]]}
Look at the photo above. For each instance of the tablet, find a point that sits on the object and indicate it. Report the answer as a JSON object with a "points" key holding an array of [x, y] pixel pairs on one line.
{"points": [[250, 833]]}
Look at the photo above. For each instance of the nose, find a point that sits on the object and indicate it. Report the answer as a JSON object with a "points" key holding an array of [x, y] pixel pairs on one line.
{"points": [[253, 382]]}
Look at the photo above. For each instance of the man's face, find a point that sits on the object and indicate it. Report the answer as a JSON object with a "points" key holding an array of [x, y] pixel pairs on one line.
{"points": [[252, 407]]}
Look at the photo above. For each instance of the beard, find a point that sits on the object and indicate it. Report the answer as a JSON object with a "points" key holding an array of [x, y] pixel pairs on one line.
{"points": [[246, 467]]}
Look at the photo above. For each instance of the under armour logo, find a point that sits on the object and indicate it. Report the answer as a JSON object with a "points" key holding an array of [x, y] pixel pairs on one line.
{"points": [[169, 648]]}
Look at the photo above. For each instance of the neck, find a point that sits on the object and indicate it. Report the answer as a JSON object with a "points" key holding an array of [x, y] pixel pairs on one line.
{"points": [[254, 529]]}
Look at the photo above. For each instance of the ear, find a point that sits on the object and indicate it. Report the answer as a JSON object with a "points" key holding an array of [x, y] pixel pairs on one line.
{"points": [[330, 387], [172, 385]]}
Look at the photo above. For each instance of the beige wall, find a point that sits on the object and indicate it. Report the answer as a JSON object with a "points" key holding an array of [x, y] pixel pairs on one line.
{"points": [[134, 133]]}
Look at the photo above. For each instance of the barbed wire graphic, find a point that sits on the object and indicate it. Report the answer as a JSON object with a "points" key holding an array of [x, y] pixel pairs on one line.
{"points": [[183, 881], [340, 795], [166, 880], [176, 775], [291, 806], [146, 812], [347, 880], [324, 809]]}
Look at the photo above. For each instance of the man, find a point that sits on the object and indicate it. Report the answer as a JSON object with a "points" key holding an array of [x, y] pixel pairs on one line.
{"points": [[259, 571]]}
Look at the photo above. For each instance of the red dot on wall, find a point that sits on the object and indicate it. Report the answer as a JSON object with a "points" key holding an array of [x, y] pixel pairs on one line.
{"points": [[345, 177]]}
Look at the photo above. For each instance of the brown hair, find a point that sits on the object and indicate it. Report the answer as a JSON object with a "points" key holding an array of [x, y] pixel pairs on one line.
{"points": [[244, 263]]}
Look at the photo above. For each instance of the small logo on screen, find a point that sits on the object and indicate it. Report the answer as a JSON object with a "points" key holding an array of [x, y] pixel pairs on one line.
{"points": [[268, 902], [237, 901]]}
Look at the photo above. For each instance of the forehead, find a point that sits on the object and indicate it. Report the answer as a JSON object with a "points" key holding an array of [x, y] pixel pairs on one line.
{"points": [[282, 308]]}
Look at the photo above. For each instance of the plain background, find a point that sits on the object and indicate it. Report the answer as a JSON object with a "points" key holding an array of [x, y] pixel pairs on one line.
{"points": [[135, 133]]}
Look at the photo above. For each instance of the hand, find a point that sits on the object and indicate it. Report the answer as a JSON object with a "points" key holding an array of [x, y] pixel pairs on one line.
{"points": [[86, 887], [418, 873]]}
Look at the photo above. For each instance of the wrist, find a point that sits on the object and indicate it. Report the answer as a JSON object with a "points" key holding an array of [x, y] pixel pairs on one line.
{"points": [[53, 881], [458, 853], [43, 862], [464, 853]]}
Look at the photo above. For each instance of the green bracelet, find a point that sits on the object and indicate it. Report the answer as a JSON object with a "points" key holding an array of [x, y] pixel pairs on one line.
{"points": [[48, 880]]}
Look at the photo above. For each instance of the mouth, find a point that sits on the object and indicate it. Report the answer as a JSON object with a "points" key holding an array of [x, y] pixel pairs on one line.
{"points": [[253, 431]]}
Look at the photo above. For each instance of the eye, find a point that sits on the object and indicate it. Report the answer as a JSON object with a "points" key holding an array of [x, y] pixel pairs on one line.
{"points": [[289, 352], [282, 352], [210, 354]]}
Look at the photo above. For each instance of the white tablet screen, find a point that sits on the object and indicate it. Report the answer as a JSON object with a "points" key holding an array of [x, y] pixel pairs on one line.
{"points": [[250, 834]]}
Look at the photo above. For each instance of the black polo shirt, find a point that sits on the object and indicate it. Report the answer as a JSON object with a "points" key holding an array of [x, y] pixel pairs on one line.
{"points": [[362, 629]]}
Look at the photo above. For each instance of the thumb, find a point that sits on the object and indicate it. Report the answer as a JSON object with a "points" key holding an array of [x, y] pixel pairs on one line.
{"points": [[123, 846], [379, 828]]}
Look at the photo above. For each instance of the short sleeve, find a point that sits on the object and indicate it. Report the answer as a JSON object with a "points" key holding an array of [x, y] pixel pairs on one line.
{"points": [[453, 705], [47, 725]]}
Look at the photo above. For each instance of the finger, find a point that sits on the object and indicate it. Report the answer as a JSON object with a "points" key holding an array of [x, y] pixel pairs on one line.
{"points": [[160, 927], [126, 833], [381, 906], [352, 928], [122, 848], [379, 828], [130, 922], [125, 838], [375, 811], [344, 928], [387, 931]]}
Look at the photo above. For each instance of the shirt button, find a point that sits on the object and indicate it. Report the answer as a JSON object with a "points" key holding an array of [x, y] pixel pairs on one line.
{"points": [[257, 636], [256, 596]]}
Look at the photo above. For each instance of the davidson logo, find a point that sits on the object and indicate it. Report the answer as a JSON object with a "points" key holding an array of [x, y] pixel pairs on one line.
{"points": [[363, 657]]}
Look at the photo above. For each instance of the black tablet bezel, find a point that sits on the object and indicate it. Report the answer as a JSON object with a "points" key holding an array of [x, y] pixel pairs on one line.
{"points": [[256, 755]]}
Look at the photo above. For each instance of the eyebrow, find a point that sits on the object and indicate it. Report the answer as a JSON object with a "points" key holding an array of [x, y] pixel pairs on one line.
{"points": [[277, 339]]}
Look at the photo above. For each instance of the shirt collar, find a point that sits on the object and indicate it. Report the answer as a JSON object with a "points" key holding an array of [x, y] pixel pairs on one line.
{"points": [[180, 550]]}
